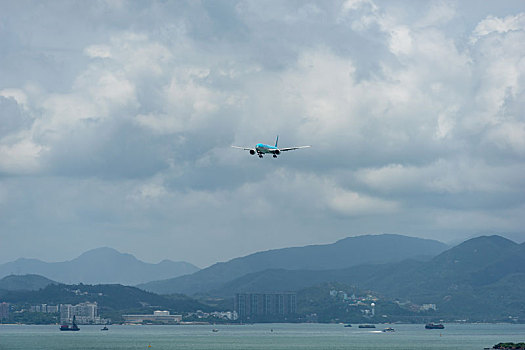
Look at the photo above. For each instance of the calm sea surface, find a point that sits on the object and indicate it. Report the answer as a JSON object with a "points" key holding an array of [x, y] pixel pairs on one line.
{"points": [[259, 337]]}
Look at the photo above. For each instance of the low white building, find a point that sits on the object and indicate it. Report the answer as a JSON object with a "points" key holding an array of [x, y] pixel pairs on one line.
{"points": [[427, 307], [158, 316]]}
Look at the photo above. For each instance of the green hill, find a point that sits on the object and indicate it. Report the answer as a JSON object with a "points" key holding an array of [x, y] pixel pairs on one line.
{"points": [[113, 299], [24, 282]]}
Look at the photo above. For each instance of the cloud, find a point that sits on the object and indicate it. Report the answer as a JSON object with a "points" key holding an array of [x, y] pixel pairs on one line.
{"points": [[116, 121], [21, 157], [98, 51], [354, 204], [493, 24]]}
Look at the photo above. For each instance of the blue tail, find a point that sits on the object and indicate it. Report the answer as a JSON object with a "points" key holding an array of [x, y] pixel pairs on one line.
{"points": [[277, 141]]}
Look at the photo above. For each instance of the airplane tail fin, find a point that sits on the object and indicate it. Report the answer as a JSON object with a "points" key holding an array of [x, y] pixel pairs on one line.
{"points": [[277, 141]]}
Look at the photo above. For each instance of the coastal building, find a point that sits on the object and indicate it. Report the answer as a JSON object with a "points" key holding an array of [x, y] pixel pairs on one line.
{"points": [[84, 313], [427, 307], [254, 305], [4, 311], [158, 316], [45, 308]]}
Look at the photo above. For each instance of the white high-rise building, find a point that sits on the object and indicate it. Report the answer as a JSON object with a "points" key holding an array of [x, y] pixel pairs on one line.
{"points": [[84, 313]]}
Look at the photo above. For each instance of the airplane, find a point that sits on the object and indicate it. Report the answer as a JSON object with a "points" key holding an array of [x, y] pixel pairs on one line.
{"points": [[261, 149]]}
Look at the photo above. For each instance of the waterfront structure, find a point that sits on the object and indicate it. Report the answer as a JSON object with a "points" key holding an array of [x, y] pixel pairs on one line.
{"points": [[261, 305], [85, 313], [4, 311], [158, 316]]}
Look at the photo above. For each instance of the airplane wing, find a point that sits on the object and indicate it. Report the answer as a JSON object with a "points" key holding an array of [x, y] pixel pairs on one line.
{"points": [[292, 148], [244, 148]]}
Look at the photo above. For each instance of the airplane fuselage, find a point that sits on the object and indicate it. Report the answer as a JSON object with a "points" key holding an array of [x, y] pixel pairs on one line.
{"points": [[262, 148]]}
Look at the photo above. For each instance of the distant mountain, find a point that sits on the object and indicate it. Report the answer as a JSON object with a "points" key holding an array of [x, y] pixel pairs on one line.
{"points": [[478, 261], [371, 249], [24, 282], [480, 277], [99, 266]]}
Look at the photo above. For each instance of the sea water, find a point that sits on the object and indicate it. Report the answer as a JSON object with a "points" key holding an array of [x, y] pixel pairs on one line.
{"points": [[260, 337]]}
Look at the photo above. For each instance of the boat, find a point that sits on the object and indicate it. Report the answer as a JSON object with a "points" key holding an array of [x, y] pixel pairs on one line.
{"points": [[214, 330], [434, 326], [73, 327], [367, 326], [348, 325], [389, 329], [105, 328]]}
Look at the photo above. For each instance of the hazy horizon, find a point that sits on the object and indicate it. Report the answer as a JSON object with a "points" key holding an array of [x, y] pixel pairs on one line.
{"points": [[450, 244], [117, 119]]}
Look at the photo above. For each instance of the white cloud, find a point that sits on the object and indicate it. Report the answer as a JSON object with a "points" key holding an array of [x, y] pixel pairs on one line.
{"points": [[21, 157], [98, 51], [400, 40], [439, 13], [17, 94], [350, 5], [456, 175], [493, 24], [509, 136], [355, 204]]}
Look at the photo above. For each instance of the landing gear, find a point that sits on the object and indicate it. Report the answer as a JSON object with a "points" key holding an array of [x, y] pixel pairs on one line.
{"points": [[260, 155], [275, 155]]}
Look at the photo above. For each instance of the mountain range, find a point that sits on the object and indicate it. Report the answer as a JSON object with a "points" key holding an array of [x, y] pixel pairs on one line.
{"points": [[476, 263], [351, 251], [99, 266], [479, 277]]}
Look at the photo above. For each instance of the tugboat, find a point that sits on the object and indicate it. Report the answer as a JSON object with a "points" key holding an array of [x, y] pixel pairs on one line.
{"points": [[73, 327], [434, 326]]}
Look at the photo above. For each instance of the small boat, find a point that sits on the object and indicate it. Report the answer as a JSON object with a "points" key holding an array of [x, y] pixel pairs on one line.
{"points": [[389, 329], [367, 326], [348, 325], [73, 327], [214, 330], [434, 326], [105, 328]]}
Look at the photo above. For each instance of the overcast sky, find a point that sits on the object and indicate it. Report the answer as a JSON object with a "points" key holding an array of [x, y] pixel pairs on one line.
{"points": [[117, 117]]}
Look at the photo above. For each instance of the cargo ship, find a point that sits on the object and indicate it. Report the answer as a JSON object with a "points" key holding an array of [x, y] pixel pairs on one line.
{"points": [[73, 327], [434, 326]]}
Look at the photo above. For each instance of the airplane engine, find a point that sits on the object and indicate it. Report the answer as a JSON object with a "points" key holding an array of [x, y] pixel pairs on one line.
{"points": [[252, 152], [277, 152]]}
